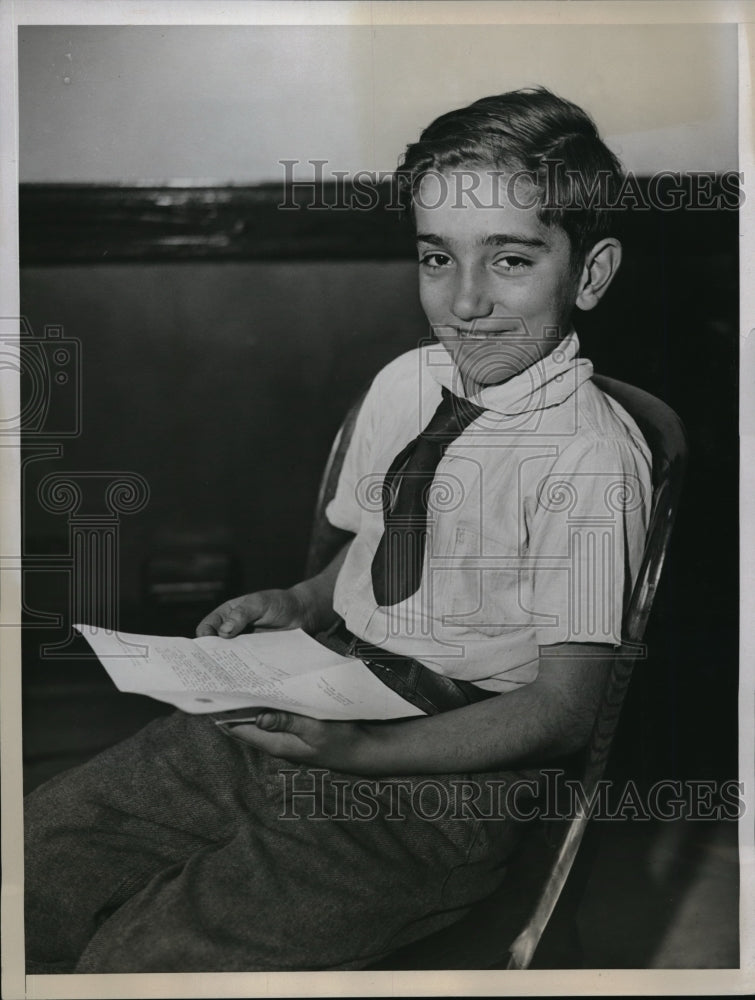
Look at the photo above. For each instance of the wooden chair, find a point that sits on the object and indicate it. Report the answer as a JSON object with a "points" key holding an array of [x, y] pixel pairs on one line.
{"points": [[504, 930]]}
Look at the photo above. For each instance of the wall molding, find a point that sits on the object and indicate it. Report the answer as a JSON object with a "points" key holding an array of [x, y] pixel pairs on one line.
{"points": [[100, 224], [62, 224]]}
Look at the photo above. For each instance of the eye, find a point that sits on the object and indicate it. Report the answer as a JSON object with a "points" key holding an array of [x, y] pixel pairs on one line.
{"points": [[512, 262], [435, 260]]}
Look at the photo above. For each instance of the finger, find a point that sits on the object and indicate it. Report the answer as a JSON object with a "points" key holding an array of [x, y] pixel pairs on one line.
{"points": [[278, 744], [236, 617], [270, 721], [234, 621], [277, 722], [210, 623]]}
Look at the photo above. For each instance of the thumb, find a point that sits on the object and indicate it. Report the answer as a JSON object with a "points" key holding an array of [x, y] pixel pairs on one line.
{"points": [[277, 722]]}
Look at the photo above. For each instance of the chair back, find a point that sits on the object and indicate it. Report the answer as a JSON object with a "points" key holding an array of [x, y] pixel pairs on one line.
{"points": [[664, 433], [324, 539], [665, 436]]}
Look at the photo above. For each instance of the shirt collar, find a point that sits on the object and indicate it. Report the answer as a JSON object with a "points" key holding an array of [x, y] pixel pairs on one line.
{"points": [[545, 383]]}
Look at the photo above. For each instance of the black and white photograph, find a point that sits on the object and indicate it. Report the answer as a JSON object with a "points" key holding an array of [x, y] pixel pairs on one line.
{"points": [[371, 483]]}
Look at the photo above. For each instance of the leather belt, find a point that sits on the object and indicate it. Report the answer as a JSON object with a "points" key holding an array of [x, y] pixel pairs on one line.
{"points": [[419, 685]]}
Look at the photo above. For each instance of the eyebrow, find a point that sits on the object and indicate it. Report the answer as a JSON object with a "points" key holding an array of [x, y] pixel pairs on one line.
{"points": [[493, 240]]}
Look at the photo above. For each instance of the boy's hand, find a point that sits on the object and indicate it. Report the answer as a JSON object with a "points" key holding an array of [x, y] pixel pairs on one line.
{"points": [[307, 605], [263, 609], [302, 740]]}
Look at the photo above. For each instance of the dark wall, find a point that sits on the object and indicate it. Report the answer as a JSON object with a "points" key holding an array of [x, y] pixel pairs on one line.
{"points": [[223, 383], [670, 325]]}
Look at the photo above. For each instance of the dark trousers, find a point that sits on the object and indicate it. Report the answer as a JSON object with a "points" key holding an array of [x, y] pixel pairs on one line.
{"points": [[181, 849]]}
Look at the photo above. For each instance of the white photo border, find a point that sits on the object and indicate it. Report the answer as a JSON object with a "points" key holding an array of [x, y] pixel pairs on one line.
{"points": [[535, 983]]}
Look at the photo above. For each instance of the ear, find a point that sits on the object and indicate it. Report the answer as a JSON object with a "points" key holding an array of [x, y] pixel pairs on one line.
{"points": [[601, 264]]}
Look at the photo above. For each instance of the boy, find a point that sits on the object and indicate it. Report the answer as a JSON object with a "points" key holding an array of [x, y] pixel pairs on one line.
{"points": [[494, 505]]}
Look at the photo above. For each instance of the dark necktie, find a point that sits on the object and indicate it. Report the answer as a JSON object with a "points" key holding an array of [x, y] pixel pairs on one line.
{"points": [[397, 565]]}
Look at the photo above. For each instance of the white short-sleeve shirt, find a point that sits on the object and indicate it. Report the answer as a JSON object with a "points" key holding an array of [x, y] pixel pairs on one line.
{"points": [[536, 522]]}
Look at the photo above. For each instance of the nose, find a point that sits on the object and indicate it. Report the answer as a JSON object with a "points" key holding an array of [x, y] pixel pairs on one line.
{"points": [[471, 297]]}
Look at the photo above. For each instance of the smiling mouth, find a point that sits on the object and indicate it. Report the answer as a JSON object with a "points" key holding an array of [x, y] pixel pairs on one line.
{"points": [[480, 334]]}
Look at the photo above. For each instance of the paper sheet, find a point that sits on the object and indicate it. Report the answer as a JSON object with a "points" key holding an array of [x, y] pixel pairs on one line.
{"points": [[284, 670]]}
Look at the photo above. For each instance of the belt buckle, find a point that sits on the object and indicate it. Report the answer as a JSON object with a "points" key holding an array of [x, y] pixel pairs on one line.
{"points": [[351, 649]]}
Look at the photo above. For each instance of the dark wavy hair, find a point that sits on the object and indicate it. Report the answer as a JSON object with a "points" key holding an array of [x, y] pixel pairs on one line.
{"points": [[532, 130]]}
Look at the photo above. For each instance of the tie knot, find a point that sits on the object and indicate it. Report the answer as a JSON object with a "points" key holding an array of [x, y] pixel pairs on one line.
{"points": [[454, 415]]}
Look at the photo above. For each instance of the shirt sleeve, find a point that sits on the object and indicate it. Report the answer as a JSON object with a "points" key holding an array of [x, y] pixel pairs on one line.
{"points": [[586, 540], [345, 510]]}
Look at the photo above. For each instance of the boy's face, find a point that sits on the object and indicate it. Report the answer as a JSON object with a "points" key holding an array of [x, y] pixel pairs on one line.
{"points": [[497, 285]]}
